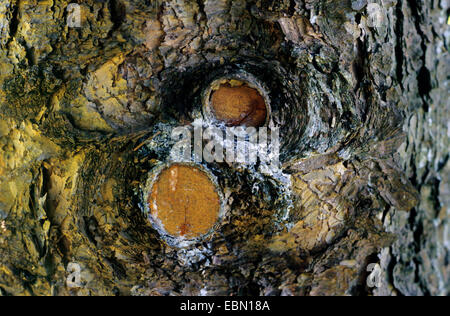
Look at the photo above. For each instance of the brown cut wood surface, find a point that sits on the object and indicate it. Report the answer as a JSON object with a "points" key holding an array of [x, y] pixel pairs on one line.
{"points": [[239, 106], [185, 200]]}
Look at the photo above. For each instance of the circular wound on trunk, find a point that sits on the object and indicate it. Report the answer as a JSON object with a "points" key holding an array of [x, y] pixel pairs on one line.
{"points": [[184, 201], [237, 104]]}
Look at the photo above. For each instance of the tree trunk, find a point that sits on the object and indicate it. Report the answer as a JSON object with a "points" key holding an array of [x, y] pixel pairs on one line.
{"points": [[92, 90]]}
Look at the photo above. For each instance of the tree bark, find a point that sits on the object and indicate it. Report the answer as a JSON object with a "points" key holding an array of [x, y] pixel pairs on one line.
{"points": [[359, 91]]}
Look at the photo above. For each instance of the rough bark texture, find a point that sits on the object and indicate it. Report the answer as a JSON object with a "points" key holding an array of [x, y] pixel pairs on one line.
{"points": [[358, 88]]}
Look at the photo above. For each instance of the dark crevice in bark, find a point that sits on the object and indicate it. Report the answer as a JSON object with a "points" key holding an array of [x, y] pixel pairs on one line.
{"points": [[118, 270], [41, 249], [201, 8], [13, 26], [417, 227], [33, 202], [14, 23], [118, 13], [435, 193], [3, 292], [29, 54], [359, 66], [27, 278], [386, 211], [89, 225], [399, 43], [423, 76], [413, 177], [292, 5]]}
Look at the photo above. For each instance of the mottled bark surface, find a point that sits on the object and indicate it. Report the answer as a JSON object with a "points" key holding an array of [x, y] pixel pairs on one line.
{"points": [[359, 90]]}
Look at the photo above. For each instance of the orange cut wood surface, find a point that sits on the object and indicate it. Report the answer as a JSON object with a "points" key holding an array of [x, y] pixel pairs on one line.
{"points": [[238, 106], [185, 201]]}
